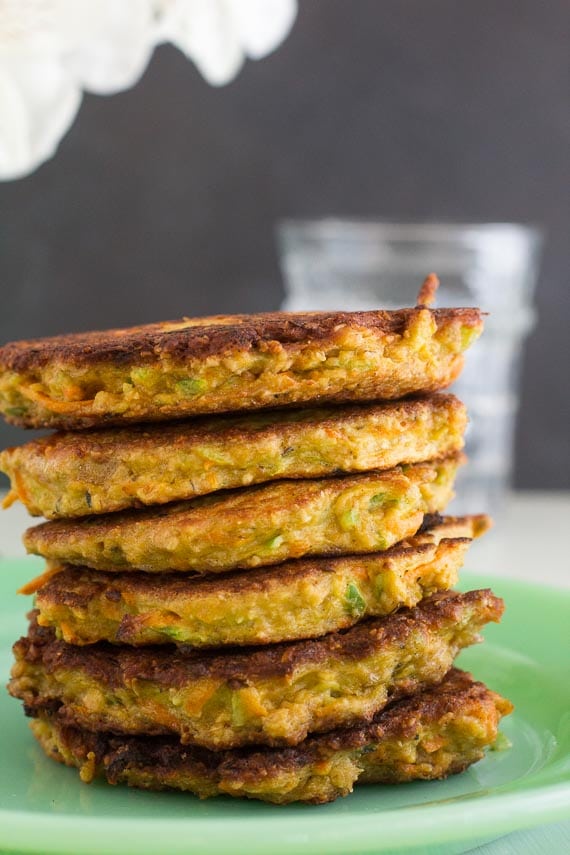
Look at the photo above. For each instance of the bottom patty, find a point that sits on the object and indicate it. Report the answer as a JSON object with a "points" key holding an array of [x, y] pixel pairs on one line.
{"points": [[436, 733], [273, 695]]}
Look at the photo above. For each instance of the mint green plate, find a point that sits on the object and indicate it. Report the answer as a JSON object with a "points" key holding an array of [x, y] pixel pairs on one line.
{"points": [[45, 809]]}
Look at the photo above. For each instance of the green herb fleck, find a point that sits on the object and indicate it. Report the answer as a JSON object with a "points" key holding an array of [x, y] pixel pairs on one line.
{"points": [[383, 499], [349, 519], [379, 585], [191, 386], [173, 632], [354, 601], [141, 375], [501, 743], [239, 715]]}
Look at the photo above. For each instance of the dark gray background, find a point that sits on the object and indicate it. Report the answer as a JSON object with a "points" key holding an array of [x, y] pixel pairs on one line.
{"points": [[161, 201]]}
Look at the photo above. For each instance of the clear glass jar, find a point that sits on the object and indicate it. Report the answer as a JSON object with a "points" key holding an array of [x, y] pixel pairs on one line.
{"points": [[360, 265]]}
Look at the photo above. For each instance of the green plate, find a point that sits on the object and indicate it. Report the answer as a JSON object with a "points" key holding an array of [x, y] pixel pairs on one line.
{"points": [[45, 809]]}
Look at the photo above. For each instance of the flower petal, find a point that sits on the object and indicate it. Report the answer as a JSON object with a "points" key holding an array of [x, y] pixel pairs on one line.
{"points": [[218, 35], [205, 32], [38, 102], [262, 24], [108, 44]]}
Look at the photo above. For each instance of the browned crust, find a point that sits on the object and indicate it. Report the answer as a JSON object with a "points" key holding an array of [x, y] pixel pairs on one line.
{"points": [[202, 337], [458, 694], [76, 586], [450, 697], [171, 667]]}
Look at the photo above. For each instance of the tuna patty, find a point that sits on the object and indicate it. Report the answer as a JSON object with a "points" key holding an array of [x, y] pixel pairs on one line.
{"points": [[229, 363], [437, 733], [273, 695], [75, 474], [299, 599], [256, 526]]}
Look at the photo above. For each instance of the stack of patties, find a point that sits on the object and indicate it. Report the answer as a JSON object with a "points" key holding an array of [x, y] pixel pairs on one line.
{"points": [[253, 603]]}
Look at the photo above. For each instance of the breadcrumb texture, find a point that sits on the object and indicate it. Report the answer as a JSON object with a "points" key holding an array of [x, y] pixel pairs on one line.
{"points": [[300, 599], [230, 363], [271, 695], [99, 471], [437, 733]]}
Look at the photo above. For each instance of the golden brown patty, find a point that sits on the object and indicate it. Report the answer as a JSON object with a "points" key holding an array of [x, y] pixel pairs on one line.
{"points": [[75, 474], [272, 695], [257, 525], [438, 732], [228, 363], [299, 599]]}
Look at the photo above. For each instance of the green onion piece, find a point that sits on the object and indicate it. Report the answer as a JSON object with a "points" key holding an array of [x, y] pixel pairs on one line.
{"points": [[349, 519], [191, 386], [173, 632], [501, 743], [354, 601], [383, 499], [275, 542]]}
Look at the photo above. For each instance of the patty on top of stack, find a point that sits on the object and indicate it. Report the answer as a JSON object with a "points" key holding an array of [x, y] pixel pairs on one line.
{"points": [[250, 603], [233, 363]]}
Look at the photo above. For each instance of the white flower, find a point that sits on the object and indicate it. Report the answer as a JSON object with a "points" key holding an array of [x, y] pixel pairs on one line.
{"points": [[52, 50], [219, 34], [38, 103]]}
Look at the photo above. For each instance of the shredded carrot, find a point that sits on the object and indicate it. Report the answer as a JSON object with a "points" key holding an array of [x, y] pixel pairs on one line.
{"points": [[10, 499], [34, 394], [35, 584], [428, 290]]}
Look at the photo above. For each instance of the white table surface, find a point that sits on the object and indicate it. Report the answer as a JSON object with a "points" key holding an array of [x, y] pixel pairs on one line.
{"points": [[529, 541]]}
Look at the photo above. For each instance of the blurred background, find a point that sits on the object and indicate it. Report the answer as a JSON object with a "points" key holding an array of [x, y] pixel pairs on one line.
{"points": [[162, 201]]}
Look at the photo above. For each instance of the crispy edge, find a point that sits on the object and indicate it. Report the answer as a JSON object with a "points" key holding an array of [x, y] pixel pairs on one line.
{"points": [[203, 337]]}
